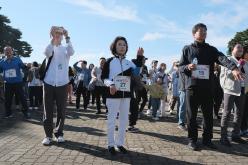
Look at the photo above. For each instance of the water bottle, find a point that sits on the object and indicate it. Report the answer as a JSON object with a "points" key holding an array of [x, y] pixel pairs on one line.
{"points": [[195, 61]]}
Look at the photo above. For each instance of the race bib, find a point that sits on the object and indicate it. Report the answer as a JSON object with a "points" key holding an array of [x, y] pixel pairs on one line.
{"points": [[81, 76], [201, 72], [10, 73], [122, 83]]}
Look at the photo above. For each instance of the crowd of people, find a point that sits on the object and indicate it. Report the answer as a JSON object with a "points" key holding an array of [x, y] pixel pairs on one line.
{"points": [[202, 80]]}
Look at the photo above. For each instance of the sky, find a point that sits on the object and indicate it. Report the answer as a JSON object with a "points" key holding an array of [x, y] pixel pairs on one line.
{"points": [[161, 27]]}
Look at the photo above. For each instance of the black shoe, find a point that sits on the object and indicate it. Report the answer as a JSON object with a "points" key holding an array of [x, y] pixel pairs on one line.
{"points": [[132, 129], [225, 142], [116, 128], [26, 115], [122, 149], [111, 150], [193, 146], [210, 145], [239, 140]]}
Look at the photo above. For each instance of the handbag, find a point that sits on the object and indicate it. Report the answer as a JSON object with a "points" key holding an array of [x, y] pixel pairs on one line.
{"points": [[44, 67]]}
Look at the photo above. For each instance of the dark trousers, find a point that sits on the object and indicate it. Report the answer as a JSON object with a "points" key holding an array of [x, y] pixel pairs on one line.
{"points": [[218, 97], [10, 91], [134, 110], [244, 123], [35, 96], [91, 96], [59, 95], [141, 94], [82, 91], [196, 97], [229, 102], [99, 92]]}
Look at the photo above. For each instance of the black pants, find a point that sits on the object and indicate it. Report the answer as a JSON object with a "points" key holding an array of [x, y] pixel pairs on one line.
{"points": [[53, 95], [35, 94], [134, 110], [10, 91], [218, 97], [141, 94], [196, 97], [244, 123], [91, 96], [99, 92], [81, 90]]}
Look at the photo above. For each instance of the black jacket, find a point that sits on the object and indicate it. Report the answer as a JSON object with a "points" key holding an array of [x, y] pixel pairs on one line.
{"points": [[206, 55]]}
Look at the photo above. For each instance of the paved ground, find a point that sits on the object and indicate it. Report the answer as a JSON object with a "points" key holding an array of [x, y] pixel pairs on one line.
{"points": [[157, 143]]}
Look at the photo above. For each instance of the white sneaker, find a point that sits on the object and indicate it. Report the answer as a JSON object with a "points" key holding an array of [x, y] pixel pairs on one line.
{"points": [[46, 141], [148, 112], [155, 118], [36, 108], [60, 139], [30, 108], [158, 113]]}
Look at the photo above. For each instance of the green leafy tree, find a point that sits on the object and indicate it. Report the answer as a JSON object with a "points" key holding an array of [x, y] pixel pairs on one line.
{"points": [[240, 37], [12, 37]]}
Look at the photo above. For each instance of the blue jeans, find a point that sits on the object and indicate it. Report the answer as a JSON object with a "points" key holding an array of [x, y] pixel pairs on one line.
{"points": [[155, 102], [182, 108]]}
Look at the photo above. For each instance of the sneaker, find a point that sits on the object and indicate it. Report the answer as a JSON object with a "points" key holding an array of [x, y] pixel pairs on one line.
{"points": [[111, 150], [225, 142], [132, 129], [155, 118], [158, 113], [30, 108], [8, 116], [46, 141], [98, 112], [210, 145], [36, 108], [149, 112], [60, 139], [182, 127], [27, 115], [238, 140], [171, 112], [122, 149], [193, 146], [244, 133]]}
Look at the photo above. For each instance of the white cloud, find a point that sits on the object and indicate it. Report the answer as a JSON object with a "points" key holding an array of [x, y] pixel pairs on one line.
{"points": [[152, 36], [111, 10], [167, 29]]}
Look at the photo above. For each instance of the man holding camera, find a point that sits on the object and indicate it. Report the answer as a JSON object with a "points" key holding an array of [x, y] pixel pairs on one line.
{"points": [[55, 83]]}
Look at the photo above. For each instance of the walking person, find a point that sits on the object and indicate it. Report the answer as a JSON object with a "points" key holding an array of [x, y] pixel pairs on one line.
{"points": [[82, 82], [234, 93], [99, 87], [55, 84], [34, 85], [11, 67]]}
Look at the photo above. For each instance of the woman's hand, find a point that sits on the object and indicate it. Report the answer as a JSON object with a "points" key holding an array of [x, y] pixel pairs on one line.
{"points": [[112, 89]]}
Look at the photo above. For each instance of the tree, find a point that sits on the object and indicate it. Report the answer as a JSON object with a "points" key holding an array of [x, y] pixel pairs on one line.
{"points": [[240, 37], [12, 37]]}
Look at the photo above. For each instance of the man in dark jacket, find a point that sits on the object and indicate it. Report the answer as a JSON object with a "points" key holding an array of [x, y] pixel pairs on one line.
{"points": [[197, 64]]}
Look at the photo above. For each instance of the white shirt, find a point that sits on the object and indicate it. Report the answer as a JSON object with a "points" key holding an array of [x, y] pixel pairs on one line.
{"points": [[57, 74]]}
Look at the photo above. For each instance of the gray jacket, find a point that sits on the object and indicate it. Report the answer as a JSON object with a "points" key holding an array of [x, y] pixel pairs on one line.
{"points": [[227, 81]]}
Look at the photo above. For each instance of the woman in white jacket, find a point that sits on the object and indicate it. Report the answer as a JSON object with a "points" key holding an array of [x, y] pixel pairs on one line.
{"points": [[116, 73]]}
